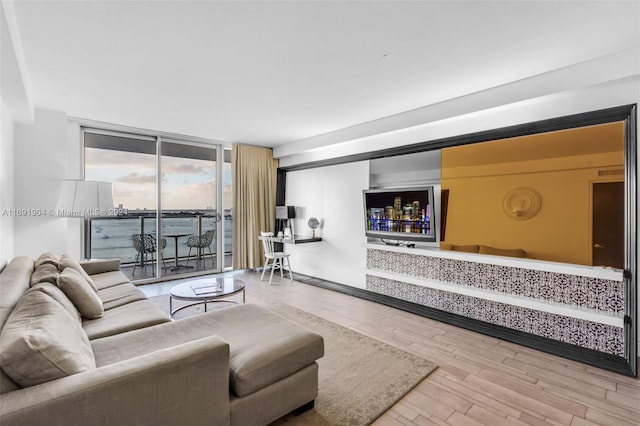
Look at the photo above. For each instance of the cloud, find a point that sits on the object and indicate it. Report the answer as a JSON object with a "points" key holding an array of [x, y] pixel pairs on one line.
{"points": [[184, 168], [137, 178], [187, 183], [197, 195]]}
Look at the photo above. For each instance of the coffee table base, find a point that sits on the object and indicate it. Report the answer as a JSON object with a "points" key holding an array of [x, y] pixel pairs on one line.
{"points": [[227, 287], [204, 302]]}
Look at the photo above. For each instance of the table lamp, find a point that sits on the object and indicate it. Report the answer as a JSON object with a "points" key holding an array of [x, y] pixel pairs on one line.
{"points": [[286, 213]]}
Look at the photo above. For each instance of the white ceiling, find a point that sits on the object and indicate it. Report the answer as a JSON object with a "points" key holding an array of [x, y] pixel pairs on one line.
{"points": [[270, 73]]}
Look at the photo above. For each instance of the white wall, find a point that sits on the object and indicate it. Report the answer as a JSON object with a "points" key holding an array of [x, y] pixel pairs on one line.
{"points": [[40, 165], [333, 195], [6, 185]]}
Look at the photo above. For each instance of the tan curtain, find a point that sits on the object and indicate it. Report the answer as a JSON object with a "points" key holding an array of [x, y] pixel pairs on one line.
{"points": [[254, 172]]}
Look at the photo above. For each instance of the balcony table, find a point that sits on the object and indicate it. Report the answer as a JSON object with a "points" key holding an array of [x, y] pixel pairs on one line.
{"points": [[175, 239]]}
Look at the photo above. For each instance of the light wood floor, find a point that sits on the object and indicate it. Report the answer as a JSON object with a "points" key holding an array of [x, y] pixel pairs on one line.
{"points": [[480, 380]]}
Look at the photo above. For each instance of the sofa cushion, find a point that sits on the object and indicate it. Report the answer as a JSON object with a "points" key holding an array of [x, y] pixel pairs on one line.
{"points": [[109, 279], [80, 292], [45, 273], [503, 252], [69, 262], [50, 258], [58, 295], [131, 316], [98, 266], [265, 347], [469, 248], [6, 384], [41, 342], [119, 295]]}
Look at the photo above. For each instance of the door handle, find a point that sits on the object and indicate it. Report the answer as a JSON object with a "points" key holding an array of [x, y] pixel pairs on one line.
{"points": [[218, 217], [596, 245]]}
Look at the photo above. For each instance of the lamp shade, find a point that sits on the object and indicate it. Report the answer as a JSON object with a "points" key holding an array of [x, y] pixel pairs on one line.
{"points": [[85, 198], [285, 212]]}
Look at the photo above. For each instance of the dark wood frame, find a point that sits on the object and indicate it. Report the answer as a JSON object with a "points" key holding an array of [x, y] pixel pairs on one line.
{"points": [[626, 113], [444, 209]]}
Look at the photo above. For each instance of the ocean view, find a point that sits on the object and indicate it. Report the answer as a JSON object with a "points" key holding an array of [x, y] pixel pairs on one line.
{"points": [[111, 237]]}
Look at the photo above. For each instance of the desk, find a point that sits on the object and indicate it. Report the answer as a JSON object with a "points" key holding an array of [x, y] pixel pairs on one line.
{"points": [[297, 239], [175, 239], [275, 253]]}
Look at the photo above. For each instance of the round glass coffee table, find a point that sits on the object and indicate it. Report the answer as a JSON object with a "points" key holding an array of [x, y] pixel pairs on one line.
{"points": [[205, 290]]}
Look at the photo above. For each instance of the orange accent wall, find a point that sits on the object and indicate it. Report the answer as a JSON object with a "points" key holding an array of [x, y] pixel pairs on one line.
{"points": [[561, 230]]}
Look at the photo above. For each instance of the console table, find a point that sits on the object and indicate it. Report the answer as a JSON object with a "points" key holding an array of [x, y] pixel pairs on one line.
{"points": [[580, 305]]}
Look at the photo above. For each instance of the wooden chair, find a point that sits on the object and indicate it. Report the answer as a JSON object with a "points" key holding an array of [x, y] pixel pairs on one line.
{"points": [[275, 259]]}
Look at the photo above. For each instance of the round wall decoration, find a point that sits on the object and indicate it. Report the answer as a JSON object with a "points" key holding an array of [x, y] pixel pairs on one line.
{"points": [[521, 203]]}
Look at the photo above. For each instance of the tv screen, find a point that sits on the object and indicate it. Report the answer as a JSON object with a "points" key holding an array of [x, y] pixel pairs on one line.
{"points": [[405, 214]]}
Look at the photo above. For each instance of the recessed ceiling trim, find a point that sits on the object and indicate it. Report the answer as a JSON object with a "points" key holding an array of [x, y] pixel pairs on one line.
{"points": [[604, 69]]}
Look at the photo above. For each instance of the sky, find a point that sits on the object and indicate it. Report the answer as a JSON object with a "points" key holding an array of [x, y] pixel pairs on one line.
{"points": [[187, 184]]}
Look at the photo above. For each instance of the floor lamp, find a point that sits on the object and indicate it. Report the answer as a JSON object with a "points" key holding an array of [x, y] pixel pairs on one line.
{"points": [[84, 199]]}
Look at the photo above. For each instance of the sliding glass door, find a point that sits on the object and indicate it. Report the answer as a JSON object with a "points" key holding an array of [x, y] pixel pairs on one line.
{"points": [[190, 214], [188, 182], [129, 162]]}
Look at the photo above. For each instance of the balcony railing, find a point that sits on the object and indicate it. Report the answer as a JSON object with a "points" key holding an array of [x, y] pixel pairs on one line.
{"points": [[111, 237]]}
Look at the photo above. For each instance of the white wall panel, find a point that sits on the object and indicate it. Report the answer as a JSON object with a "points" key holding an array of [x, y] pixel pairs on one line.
{"points": [[6, 186], [333, 195], [40, 166]]}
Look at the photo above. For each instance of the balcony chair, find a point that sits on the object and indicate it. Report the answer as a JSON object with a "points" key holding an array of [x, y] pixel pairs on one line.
{"points": [[146, 244], [200, 243], [276, 258]]}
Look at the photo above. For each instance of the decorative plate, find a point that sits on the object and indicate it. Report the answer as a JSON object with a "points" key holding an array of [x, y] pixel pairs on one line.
{"points": [[521, 203]]}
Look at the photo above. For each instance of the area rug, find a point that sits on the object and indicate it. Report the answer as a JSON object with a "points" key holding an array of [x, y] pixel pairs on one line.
{"points": [[359, 377]]}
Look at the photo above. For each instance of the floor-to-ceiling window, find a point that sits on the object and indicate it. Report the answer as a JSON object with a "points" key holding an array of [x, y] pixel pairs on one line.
{"points": [[189, 205], [184, 180], [227, 210]]}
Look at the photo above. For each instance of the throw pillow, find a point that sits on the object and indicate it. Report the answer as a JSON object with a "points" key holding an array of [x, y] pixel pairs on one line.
{"points": [[58, 295], [41, 342], [78, 290], [48, 258], [503, 252], [45, 273], [70, 262], [471, 248]]}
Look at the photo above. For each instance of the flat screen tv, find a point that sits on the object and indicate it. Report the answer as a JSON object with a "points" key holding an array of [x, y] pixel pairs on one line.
{"points": [[398, 215]]}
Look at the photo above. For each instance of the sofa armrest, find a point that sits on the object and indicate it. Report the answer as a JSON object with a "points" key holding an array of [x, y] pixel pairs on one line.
{"points": [[98, 266], [186, 384]]}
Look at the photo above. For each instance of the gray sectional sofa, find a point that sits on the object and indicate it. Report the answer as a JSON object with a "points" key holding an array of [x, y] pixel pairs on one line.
{"points": [[80, 344]]}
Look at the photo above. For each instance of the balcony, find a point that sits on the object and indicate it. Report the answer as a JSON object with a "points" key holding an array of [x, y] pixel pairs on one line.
{"points": [[111, 238]]}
